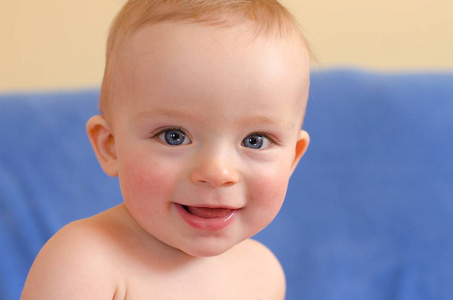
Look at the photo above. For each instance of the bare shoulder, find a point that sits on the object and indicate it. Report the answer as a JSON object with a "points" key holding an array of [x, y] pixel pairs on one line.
{"points": [[263, 269], [76, 263]]}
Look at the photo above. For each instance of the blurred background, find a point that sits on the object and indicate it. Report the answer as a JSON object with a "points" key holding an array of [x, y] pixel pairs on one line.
{"points": [[55, 44]]}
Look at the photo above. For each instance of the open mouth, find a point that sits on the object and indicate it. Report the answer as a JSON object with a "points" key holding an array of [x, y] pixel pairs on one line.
{"points": [[207, 218], [208, 212]]}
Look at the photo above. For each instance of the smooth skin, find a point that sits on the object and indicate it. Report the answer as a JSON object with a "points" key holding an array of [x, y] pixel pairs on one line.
{"points": [[205, 125]]}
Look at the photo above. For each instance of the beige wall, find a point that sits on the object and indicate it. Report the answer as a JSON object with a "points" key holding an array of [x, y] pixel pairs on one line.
{"points": [[390, 34], [60, 44]]}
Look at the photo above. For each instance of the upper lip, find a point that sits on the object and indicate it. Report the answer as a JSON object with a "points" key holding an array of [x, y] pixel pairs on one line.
{"points": [[211, 206]]}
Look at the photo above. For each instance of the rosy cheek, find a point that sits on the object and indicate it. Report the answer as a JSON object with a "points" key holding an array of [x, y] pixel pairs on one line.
{"points": [[141, 181], [269, 191]]}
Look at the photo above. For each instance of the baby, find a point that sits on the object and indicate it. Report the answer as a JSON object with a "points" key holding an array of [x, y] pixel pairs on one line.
{"points": [[202, 104]]}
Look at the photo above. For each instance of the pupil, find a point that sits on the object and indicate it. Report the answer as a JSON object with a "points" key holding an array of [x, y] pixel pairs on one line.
{"points": [[253, 141], [174, 137]]}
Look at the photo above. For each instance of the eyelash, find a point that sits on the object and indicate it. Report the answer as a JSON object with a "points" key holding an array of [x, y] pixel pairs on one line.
{"points": [[265, 134], [159, 131], [272, 139]]}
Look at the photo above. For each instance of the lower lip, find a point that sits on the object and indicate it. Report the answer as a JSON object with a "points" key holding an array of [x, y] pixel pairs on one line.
{"points": [[211, 224]]}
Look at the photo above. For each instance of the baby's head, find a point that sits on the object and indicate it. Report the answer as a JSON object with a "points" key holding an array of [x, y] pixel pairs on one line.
{"points": [[202, 106], [265, 19]]}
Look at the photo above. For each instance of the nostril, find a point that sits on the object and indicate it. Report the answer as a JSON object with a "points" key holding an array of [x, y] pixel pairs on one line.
{"points": [[217, 179], [214, 170]]}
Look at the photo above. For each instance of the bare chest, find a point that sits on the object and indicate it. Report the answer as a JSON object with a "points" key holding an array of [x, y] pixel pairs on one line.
{"points": [[220, 282]]}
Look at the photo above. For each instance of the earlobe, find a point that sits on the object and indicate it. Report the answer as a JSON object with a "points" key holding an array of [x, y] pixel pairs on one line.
{"points": [[103, 143], [301, 146]]}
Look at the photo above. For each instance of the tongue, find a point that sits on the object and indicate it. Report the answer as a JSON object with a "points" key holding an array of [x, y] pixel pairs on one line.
{"points": [[208, 213]]}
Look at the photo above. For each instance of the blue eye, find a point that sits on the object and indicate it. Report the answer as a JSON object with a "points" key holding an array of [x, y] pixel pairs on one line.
{"points": [[256, 141], [174, 137]]}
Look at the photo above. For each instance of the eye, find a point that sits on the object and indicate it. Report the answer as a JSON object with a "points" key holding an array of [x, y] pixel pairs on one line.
{"points": [[256, 141], [174, 137]]}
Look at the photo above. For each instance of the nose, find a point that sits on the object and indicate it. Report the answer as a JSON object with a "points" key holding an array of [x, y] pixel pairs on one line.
{"points": [[215, 170]]}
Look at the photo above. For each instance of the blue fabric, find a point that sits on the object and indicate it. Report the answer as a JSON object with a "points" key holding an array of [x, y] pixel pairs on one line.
{"points": [[369, 211], [49, 176]]}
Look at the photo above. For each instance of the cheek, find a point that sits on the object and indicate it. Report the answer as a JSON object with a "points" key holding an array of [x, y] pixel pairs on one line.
{"points": [[268, 193], [143, 182]]}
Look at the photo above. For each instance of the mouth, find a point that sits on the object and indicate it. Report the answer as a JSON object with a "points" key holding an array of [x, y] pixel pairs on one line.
{"points": [[207, 218], [208, 212]]}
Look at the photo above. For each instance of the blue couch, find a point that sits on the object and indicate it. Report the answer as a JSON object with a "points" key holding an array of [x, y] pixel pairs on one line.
{"points": [[369, 211]]}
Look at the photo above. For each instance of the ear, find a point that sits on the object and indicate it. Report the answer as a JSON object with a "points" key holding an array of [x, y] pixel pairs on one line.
{"points": [[103, 143], [301, 146]]}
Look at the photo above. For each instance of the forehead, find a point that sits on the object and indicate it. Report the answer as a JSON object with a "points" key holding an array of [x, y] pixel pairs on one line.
{"points": [[201, 63]]}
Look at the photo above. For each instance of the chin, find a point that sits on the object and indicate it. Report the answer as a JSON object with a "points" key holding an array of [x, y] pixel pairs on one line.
{"points": [[208, 249], [205, 252]]}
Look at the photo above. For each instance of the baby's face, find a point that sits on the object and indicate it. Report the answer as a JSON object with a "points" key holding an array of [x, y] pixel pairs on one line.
{"points": [[206, 124]]}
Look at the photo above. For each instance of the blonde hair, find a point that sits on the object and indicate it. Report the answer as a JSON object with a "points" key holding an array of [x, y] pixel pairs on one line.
{"points": [[268, 16]]}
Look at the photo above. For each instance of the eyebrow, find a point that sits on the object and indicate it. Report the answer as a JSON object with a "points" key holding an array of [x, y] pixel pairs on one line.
{"points": [[259, 119], [267, 121], [164, 112]]}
